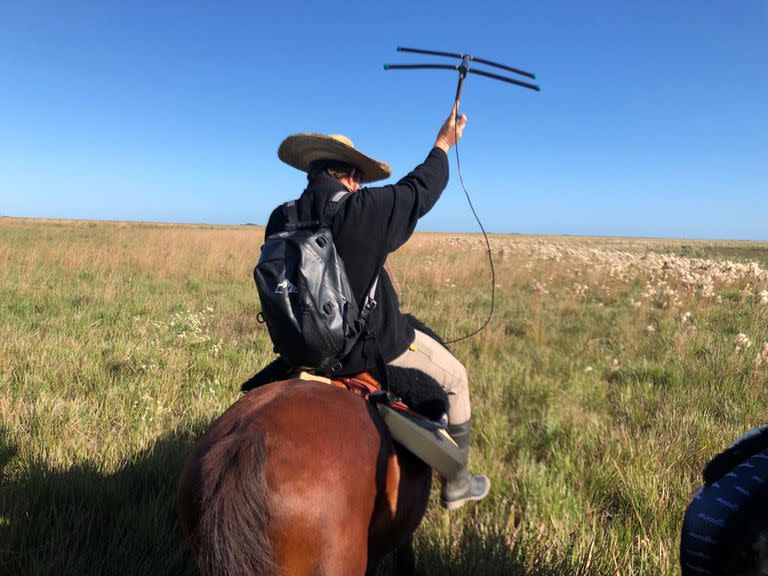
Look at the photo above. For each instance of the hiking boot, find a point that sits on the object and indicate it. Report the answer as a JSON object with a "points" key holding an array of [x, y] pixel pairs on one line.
{"points": [[463, 487]]}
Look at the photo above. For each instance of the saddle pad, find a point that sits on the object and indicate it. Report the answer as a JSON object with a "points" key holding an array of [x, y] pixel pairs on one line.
{"points": [[309, 376]]}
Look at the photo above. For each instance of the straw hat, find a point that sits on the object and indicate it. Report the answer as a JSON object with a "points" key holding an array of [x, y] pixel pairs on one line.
{"points": [[300, 150]]}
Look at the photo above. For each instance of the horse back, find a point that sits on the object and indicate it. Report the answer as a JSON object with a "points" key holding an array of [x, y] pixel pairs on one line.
{"points": [[302, 472]]}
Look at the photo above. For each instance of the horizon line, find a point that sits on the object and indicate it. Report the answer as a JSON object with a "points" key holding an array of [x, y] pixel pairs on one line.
{"points": [[431, 231]]}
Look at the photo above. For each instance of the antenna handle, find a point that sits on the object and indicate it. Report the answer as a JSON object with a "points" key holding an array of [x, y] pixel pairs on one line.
{"points": [[463, 69]]}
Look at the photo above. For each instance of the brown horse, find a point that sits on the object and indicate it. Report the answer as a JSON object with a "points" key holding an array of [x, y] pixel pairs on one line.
{"points": [[300, 478]]}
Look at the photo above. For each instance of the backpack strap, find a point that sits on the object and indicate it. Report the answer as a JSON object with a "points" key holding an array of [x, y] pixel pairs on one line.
{"points": [[334, 203], [291, 213], [292, 221]]}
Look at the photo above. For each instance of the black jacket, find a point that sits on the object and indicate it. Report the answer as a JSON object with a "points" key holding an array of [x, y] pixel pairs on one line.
{"points": [[372, 223]]}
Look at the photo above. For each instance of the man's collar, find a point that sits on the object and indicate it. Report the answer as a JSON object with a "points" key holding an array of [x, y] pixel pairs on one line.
{"points": [[317, 194], [326, 185]]}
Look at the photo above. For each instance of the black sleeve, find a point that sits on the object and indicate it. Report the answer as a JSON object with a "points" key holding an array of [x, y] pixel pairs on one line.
{"points": [[275, 371], [394, 210], [417, 324]]}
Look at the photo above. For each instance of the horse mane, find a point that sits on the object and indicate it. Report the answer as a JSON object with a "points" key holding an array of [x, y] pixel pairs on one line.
{"points": [[231, 537]]}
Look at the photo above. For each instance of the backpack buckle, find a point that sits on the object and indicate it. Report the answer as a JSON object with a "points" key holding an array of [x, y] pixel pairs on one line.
{"points": [[368, 307]]}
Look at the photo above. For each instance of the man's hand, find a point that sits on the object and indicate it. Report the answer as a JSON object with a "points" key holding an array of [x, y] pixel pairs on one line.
{"points": [[451, 130]]}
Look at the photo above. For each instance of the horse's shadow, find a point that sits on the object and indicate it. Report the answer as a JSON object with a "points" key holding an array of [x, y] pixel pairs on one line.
{"points": [[486, 552], [83, 521]]}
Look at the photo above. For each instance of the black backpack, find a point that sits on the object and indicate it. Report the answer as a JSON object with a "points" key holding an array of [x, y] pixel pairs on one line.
{"points": [[306, 300]]}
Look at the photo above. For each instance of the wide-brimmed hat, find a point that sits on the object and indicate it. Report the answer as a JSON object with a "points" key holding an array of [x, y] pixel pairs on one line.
{"points": [[300, 150]]}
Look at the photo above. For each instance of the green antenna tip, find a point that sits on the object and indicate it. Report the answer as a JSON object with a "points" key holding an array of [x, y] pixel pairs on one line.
{"points": [[386, 66], [533, 76], [538, 87]]}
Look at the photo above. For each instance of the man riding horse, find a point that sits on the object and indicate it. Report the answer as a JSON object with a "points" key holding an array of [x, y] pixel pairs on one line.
{"points": [[371, 224]]}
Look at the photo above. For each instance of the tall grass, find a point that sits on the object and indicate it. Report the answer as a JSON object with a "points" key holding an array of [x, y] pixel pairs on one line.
{"points": [[599, 391]]}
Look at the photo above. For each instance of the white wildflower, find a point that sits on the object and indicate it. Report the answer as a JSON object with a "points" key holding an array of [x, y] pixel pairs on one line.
{"points": [[762, 356], [580, 289], [742, 342]]}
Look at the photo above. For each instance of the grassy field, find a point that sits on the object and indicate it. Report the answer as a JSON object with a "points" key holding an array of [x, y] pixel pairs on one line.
{"points": [[612, 371]]}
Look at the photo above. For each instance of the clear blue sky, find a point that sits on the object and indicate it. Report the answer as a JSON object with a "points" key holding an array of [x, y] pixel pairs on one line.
{"points": [[653, 119]]}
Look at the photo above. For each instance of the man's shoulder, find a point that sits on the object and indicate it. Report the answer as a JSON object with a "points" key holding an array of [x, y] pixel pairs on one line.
{"points": [[359, 209], [370, 199], [276, 221], [277, 211]]}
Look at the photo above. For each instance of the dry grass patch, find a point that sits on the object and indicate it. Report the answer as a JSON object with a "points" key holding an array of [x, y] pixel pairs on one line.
{"points": [[613, 369]]}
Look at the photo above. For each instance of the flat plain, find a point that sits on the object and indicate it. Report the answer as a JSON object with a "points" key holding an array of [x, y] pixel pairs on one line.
{"points": [[612, 370]]}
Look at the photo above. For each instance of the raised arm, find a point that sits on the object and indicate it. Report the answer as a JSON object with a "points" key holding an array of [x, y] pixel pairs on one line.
{"points": [[396, 209]]}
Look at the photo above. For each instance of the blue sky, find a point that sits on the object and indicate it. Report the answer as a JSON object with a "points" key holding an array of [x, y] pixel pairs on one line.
{"points": [[652, 121]]}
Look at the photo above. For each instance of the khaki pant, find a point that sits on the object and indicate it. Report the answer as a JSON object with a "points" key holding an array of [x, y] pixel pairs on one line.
{"points": [[429, 356]]}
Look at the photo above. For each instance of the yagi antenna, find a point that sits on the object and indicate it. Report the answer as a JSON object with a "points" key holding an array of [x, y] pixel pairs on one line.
{"points": [[464, 68]]}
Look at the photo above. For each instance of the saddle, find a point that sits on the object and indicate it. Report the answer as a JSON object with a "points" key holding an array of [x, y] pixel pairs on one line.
{"points": [[368, 388], [417, 390], [425, 438]]}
